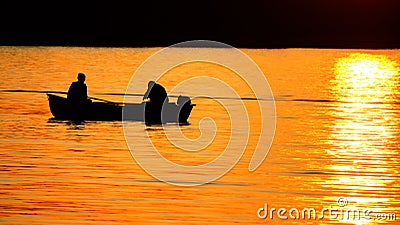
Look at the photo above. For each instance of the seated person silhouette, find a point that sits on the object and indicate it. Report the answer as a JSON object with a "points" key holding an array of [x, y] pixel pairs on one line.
{"points": [[77, 92], [155, 97]]}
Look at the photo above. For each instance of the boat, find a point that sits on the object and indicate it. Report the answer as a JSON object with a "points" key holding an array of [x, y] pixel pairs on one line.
{"points": [[97, 110]]}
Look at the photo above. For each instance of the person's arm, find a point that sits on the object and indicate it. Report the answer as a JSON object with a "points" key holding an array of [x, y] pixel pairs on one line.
{"points": [[85, 92], [146, 95], [70, 91]]}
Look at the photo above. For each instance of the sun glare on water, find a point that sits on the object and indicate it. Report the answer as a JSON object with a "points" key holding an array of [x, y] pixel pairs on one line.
{"points": [[366, 78], [363, 133], [366, 90]]}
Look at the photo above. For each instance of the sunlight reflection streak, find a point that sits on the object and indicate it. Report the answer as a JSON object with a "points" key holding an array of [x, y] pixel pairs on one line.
{"points": [[363, 134]]}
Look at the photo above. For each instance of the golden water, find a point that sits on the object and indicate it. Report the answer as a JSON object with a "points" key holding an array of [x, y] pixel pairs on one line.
{"points": [[337, 136]]}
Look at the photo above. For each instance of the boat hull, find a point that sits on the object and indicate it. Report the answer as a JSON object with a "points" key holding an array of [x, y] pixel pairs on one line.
{"points": [[106, 111]]}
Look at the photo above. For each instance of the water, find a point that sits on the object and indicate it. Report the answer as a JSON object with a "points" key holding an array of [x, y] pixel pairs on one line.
{"points": [[337, 136]]}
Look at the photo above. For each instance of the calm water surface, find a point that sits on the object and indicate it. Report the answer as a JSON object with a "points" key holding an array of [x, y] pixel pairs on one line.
{"points": [[338, 136]]}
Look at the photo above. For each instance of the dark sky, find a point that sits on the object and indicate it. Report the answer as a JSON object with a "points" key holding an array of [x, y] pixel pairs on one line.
{"points": [[251, 23]]}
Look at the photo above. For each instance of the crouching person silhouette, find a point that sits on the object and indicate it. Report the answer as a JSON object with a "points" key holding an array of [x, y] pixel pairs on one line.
{"points": [[154, 97]]}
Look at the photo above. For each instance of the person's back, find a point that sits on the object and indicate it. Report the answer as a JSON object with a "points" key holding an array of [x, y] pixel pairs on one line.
{"points": [[156, 93], [158, 96], [77, 92]]}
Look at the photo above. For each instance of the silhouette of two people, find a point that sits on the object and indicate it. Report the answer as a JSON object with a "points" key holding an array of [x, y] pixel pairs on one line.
{"points": [[154, 97]]}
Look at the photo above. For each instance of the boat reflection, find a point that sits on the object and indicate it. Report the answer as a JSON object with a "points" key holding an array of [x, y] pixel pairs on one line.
{"points": [[364, 138]]}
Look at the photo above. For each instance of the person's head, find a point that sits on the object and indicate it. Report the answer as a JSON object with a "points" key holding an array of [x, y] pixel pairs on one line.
{"points": [[81, 77], [150, 84]]}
